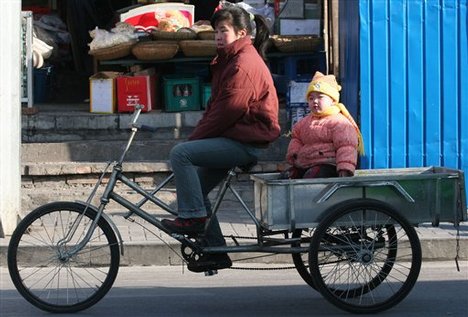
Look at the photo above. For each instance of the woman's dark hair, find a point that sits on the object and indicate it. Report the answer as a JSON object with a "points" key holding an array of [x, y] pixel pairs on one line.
{"points": [[240, 19]]}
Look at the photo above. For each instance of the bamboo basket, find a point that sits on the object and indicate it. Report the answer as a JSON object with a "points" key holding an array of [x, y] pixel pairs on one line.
{"points": [[180, 35], [155, 50], [113, 52], [198, 48], [206, 35], [296, 43]]}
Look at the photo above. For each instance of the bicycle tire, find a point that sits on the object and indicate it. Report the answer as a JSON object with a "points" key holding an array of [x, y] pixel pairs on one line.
{"points": [[54, 282], [301, 260], [370, 240]]}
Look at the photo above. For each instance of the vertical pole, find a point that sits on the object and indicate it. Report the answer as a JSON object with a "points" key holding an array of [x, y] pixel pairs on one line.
{"points": [[335, 44], [10, 115], [326, 35]]}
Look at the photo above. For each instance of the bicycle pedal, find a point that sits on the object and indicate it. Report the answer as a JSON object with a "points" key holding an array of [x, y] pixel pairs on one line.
{"points": [[211, 272]]}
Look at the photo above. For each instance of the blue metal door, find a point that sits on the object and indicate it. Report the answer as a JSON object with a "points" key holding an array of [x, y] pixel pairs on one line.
{"points": [[414, 83]]}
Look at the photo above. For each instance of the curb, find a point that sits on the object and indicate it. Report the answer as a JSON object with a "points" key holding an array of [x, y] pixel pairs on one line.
{"points": [[168, 253]]}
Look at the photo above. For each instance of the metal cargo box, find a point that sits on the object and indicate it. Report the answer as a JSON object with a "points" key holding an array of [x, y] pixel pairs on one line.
{"points": [[430, 194]]}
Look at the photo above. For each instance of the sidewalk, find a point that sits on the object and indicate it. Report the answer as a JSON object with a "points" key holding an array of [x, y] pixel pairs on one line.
{"points": [[142, 247]]}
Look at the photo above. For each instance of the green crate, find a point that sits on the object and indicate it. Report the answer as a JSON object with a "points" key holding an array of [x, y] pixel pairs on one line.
{"points": [[181, 93], [206, 94]]}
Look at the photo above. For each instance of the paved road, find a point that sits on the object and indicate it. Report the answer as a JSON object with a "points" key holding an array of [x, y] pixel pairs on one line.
{"points": [[167, 291]]}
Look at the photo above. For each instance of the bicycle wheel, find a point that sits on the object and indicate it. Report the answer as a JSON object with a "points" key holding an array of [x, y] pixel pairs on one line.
{"points": [[301, 260], [46, 275], [364, 256]]}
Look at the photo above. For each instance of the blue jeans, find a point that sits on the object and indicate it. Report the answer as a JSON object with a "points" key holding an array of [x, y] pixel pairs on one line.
{"points": [[199, 166]]}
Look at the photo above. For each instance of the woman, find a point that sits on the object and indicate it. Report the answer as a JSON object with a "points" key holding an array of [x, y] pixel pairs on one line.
{"points": [[240, 121]]}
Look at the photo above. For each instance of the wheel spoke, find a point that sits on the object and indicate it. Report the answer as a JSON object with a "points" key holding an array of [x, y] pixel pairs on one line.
{"points": [[364, 257]]}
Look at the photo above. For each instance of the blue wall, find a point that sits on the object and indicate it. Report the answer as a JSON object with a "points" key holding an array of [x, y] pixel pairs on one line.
{"points": [[414, 83]]}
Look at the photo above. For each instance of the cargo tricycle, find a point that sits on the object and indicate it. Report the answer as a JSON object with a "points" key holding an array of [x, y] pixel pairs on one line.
{"points": [[351, 239]]}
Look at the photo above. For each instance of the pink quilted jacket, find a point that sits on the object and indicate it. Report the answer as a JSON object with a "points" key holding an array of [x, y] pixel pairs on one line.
{"points": [[326, 140]]}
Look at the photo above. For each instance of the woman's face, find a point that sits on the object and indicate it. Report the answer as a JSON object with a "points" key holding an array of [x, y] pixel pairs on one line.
{"points": [[319, 102], [225, 34]]}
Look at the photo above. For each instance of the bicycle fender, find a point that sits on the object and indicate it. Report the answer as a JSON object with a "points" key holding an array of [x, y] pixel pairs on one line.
{"points": [[109, 220]]}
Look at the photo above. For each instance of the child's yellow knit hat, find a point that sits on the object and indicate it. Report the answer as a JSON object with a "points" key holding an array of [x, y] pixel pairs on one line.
{"points": [[325, 84]]}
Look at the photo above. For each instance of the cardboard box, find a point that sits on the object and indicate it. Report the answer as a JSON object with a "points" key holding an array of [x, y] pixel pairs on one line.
{"points": [[300, 27], [296, 95], [102, 89], [137, 88]]}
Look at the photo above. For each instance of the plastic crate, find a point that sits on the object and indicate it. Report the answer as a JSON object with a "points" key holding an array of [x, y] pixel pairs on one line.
{"points": [[287, 68], [205, 94], [181, 93]]}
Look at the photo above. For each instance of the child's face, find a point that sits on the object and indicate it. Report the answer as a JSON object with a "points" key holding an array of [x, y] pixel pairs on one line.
{"points": [[225, 34], [319, 102]]}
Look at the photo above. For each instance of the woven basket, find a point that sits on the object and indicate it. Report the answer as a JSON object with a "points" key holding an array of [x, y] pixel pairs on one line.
{"points": [[180, 35], [113, 52], [155, 50], [296, 43], [206, 35], [198, 48]]}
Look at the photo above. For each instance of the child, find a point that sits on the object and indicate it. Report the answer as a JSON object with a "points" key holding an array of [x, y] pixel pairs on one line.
{"points": [[326, 142]]}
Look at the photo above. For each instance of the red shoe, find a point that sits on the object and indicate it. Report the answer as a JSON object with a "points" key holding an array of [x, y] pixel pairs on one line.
{"points": [[185, 225]]}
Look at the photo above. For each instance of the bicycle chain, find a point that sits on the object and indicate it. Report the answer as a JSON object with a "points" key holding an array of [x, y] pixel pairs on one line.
{"points": [[255, 268]]}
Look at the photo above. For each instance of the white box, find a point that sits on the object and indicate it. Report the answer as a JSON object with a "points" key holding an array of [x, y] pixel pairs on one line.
{"points": [[257, 4], [102, 88], [300, 27], [297, 93]]}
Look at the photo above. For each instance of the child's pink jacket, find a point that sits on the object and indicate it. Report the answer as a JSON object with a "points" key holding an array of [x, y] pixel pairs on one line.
{"points": [[323, 140]]}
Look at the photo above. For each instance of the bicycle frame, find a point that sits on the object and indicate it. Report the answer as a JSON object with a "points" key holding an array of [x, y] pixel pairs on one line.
{"points": [[265, 244]]}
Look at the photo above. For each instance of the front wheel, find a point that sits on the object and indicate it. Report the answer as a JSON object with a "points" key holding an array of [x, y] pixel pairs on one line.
{"points": [[51, 277], [364, 256]]}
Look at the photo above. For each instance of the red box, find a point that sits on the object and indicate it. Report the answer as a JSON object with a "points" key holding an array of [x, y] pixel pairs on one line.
{"points": [[138, 88]]}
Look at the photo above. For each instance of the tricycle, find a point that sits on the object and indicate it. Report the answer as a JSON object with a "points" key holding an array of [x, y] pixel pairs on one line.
{"points": [[352, 239]]}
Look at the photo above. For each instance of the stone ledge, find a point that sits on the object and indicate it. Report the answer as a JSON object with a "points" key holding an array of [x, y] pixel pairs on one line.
{"points": [[83, 168]]}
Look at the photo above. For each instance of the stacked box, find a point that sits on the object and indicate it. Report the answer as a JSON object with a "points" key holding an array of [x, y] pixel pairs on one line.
{"points": [[296, 94], [299, 27], [300, 68], [298, 17], [103, 92], [181, 93], [296, 102], [137, 89]]}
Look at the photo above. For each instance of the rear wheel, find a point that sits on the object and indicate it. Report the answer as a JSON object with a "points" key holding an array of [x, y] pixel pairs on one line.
{"points": [[47, 274], [301, 260], [364, 256]]}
